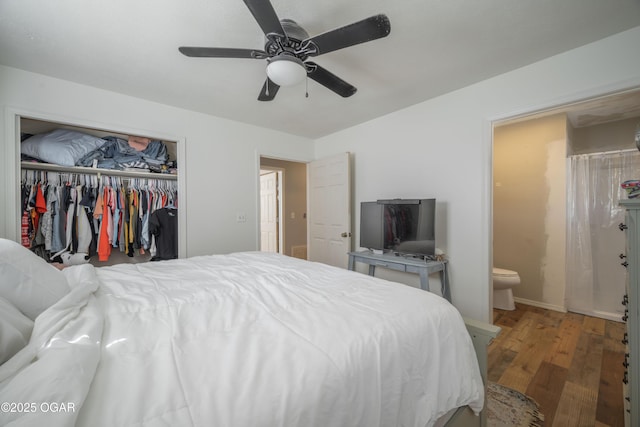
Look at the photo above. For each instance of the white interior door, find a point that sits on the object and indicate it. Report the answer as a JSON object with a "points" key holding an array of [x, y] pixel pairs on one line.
{"points": [[330, 210], [269, 212]]}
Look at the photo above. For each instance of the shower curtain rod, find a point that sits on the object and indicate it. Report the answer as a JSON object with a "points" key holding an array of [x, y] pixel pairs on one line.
{"points": [[626, 150]]}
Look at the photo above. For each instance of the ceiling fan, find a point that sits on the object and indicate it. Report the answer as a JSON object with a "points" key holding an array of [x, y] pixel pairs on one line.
{"points": [[288, 46]]}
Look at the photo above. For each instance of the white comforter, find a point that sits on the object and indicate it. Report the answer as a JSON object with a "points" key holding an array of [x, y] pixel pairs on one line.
{"points": [[247, 339]]}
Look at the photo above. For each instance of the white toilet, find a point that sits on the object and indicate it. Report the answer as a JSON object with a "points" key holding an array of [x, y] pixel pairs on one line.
{"points": [[503, 282]]}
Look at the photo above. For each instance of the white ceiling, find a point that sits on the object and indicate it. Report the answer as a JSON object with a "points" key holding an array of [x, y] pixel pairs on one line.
{"points": [[435, 46]]}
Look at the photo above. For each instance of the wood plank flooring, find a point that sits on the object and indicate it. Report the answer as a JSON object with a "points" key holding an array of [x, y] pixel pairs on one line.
{"points": [[569, 363]]}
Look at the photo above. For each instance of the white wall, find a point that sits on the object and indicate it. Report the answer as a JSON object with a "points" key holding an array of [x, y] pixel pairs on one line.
{"points": [[442, 148], [220, 168]]}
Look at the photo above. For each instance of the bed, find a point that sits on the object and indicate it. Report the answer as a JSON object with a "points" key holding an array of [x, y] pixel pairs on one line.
{"points": [[244, 339]]}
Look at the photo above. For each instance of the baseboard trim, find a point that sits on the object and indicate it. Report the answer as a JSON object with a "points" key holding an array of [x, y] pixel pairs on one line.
{"points": [[540, 304], [614, 317], [593, 313]]}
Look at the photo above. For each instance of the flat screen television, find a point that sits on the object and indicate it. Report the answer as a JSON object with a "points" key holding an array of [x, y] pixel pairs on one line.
{"points": [[400, 226]]}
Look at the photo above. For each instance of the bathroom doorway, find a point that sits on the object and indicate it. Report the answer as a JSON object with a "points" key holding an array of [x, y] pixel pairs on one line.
{"points": [[530, 170]]}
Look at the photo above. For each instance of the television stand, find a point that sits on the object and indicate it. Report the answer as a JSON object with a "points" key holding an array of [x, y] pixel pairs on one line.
{"points": [[410, 265]]}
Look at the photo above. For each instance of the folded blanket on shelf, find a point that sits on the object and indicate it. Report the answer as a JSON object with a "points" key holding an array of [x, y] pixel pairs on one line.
{"points": [[117, 153]]}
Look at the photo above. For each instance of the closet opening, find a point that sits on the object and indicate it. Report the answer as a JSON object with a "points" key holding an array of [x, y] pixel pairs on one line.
{"points": [[283, 207], [84, 193]]}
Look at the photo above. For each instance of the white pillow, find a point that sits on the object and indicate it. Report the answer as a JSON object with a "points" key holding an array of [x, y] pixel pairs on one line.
{"points": [[61, 146], [28, 281], [15, 330]]}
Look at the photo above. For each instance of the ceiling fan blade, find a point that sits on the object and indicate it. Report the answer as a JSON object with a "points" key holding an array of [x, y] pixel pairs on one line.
{"points": [[330, 80], [372, 28], [222, 52], [265, 15], [269, 90]]}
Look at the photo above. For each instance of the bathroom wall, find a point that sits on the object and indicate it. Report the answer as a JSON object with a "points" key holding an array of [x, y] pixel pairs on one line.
{"points": [[529, 213], [618, 135]]}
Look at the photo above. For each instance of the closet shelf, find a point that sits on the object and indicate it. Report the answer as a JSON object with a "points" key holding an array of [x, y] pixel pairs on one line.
{"points": [[96, 171]]}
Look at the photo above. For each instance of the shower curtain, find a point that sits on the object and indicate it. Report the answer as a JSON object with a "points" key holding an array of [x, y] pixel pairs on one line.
{"points": [[595, 277]]}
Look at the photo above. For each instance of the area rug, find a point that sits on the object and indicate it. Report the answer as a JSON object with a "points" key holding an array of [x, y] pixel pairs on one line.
{"points": [[510, 408]]}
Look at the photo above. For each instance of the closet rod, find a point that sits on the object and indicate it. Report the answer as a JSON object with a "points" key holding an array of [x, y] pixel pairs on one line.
{"points": [[107, 172]]}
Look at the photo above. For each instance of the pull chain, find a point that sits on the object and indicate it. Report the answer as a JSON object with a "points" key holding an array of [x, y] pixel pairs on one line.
{"points": [[306, 83]]}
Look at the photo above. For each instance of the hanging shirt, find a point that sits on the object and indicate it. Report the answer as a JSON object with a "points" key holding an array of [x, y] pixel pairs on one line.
{"points": [[47, 218], [104, 246], [116, 218], [83, 226], [24, 230], [71, 209], [163, 224], [59, 220], [86, 205], [145, 242]]}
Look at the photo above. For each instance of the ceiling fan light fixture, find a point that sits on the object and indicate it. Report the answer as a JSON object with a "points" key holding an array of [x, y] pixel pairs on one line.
{"points": [[286, 70]]}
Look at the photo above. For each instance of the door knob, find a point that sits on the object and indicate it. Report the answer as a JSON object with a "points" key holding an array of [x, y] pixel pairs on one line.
{"points": [[345, 234]]}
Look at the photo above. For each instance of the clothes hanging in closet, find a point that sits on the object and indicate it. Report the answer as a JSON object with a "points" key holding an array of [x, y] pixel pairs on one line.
{"points": [[69, 213]]}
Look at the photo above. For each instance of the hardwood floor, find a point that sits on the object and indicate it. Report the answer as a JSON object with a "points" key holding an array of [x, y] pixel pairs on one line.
{"points": [[569, 363]]}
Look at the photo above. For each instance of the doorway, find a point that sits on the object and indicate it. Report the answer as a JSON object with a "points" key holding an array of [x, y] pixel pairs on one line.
{"points": [[283, 207], [602, 124], [270, 210]]}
